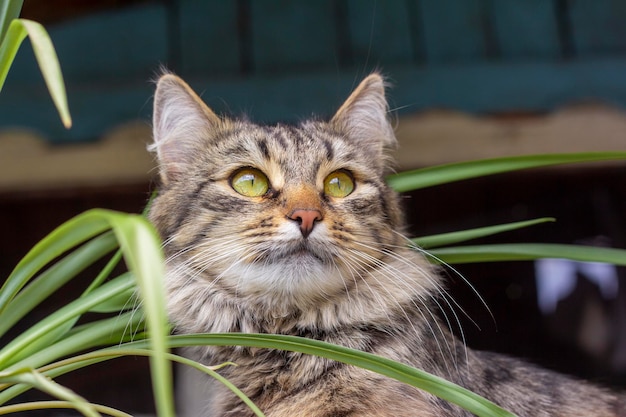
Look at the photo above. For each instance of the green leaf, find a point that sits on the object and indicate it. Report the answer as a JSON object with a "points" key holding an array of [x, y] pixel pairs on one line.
{"points": [[527, 251], [46, 58], [37, 380], [142, 251], [91, 358], [125, 300], [9, 10], [63, 238], [11, 42], [48, 405], [443, 174], [49, 66], [462, 236], [403, 373], [54, 278], [110, 331], [43, 333]]}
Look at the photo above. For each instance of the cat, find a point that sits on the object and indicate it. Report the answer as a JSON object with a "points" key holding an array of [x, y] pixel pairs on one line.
{"points": [[291, 229]]}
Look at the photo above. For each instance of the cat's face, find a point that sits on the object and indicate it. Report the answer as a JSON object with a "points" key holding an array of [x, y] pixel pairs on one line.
{"points": [[284, 215]]}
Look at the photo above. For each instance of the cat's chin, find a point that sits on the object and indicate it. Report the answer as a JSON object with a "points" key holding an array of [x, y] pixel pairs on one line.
{"points": [[302, 260], [296, 275]]}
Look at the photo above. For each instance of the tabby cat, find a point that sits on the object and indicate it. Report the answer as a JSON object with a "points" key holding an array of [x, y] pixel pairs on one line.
{"points": [[292, 230]]}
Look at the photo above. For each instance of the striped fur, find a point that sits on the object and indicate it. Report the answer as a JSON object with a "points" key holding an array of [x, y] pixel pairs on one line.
{"points": [[241, 264]]}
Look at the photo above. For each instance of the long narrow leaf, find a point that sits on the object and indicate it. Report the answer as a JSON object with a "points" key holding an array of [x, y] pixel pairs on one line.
{"points": [[37, 337], [46, 57], [37, 380], [111, 331], [142, 252], [143, 255], [116, 302], [96, 334], [9, 10], [442, 174], [63, 238], [106, 271], [407, 374], [126, 300], [49, 66], [48, 405], [54, 278], [11, 42], [528, 251], [91, 358], [465, 235]]}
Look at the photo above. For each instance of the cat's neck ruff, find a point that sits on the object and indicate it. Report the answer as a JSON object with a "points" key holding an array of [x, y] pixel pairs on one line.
{"points": [[285, 300]]}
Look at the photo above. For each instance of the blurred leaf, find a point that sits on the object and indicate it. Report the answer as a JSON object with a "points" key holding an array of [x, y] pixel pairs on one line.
{"points": [[106, 332], [443, 174], [9, 10], [48, 405], [139, 349], [124, 300], [54, 278], [49, 66], [63, 238], [383, 366], [11, 43], [403, 373], [47, 385], [464, 235], [46, 58], [528, 251], [44, 333], [141, 250]]}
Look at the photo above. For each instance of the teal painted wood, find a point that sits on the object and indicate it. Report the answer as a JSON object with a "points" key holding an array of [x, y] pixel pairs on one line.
{"points": [[478, 88], [293, 35], [380, 33], [128, 44], [477, 56], [526, 29], [209, 38], [455, 30], [96, 108], [598, 27]]}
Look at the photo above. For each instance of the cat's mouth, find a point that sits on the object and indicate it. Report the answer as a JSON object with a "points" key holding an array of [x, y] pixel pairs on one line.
{"points": [[302, 252]]}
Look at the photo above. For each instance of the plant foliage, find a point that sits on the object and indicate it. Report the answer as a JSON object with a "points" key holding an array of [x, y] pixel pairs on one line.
{"points": [[13, 31], [58, 344]]}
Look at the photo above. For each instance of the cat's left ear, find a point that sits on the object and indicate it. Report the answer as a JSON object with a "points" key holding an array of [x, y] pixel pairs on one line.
{"points": [[363, 118], [180, 121]]}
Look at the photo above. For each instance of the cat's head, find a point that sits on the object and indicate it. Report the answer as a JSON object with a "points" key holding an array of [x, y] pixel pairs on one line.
{"points": [[284, 216]]}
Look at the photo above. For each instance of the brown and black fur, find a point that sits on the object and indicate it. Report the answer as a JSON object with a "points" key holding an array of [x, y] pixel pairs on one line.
{"points": [[246, 264]]}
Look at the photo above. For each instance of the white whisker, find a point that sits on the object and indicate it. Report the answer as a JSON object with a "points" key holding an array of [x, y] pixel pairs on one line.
{"points": [[427, 254], [401, 277]]}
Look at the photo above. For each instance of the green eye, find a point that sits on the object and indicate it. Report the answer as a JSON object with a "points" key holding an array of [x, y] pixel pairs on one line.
{"points": [[338, 184], [250, 182]]}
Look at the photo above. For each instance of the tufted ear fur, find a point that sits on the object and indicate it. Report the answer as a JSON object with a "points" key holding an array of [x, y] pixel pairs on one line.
{"points": [[363, 117], [180, 120]]}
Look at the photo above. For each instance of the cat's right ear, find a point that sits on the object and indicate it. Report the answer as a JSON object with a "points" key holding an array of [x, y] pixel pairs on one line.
{"points": [[363, 119], [180, 120]]}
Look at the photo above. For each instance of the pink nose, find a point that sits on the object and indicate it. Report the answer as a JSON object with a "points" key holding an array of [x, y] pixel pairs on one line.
{"points": [[306, 218]]}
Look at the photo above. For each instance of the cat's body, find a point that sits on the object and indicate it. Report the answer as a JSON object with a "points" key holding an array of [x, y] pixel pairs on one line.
{"points": [[292, 230]]}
